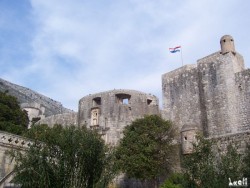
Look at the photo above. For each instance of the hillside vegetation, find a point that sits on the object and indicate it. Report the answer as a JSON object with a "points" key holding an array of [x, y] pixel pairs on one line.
{"points": [[12, 118]]}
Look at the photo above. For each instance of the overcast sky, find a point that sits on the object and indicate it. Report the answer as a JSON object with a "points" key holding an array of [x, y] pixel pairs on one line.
{"points": [[66, 49]]}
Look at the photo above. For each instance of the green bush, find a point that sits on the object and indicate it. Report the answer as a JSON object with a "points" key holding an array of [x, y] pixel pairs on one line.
{"points": [[176, 180], [208, 167], [146, 150], [63, 157]]}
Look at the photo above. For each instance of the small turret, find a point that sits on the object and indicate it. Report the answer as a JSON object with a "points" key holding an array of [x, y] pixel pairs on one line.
{"points": [[188, 138], [34, 110], [227, 44]]}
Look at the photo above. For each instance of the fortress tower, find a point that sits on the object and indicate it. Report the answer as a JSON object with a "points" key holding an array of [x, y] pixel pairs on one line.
{"points": [[110, 111], [219, 90], [212, 95], [227, 44], [34, 110]]}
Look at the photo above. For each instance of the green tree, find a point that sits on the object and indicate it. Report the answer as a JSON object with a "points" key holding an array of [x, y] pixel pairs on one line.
{"points": [[199, 165], [176, 180], [12, 118], [62, 157], [247, 162], [147, 148], [109, 171], [231, 165], [209, 167]]}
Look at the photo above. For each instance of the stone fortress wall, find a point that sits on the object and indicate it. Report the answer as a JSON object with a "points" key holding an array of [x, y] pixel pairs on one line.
{"points": [[211, 97], [181, 102], [65, 119], [242, 80], [34, 110], [111, 111], [239, 140], [218, 93]]}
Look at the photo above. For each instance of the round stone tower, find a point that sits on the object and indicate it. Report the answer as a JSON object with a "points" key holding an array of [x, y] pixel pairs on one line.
{"points": [[227, 44], [109, 112], [34, 110]]}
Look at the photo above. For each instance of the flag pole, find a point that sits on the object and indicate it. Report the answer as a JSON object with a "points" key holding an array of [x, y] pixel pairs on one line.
{"points": [[181, 57], [177, 49]]}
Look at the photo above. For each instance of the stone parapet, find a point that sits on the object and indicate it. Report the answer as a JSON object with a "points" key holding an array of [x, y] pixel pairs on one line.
{"points": [[66, 119], [14, 141]]}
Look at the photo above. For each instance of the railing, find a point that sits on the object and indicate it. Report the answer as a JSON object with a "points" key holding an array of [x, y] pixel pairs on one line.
{"points": [[13, 140]]}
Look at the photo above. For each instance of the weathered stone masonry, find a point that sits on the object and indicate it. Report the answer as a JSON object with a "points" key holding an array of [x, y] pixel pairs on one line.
{"points": [[181, 102], [8, 142], [65, 119], [212, 96], [111, 111]]}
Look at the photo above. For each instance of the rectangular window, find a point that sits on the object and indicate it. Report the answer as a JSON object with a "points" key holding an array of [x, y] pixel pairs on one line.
{"points": [[123, 98], [97, 101]]}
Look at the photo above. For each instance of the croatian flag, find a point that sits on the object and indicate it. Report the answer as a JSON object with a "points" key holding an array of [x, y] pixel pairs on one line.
{"points": [[176, 49]]}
